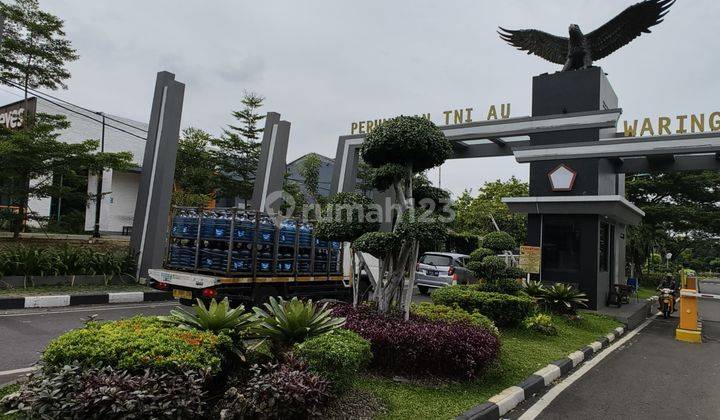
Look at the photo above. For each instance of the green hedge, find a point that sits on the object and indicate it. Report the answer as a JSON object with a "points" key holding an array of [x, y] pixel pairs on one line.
{"points": [[504, 310], [652, 278], [338, 356], [444, 313], [137, 343]]}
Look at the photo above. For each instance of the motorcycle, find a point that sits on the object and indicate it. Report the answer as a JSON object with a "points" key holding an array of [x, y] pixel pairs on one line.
{"points": [[667, 302]]}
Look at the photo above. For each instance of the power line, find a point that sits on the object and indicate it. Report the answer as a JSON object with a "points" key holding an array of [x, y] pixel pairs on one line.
{"points": [[37, 92], [41, 96]]}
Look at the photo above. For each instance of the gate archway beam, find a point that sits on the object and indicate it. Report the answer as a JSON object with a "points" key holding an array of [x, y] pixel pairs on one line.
{"points": [[479, 139], [680, 152]]}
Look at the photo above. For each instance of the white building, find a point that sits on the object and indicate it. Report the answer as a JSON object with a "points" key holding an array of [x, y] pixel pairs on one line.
{"points": [[119, 187]]}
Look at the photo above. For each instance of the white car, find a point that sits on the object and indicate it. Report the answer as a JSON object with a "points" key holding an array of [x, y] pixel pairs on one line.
{"points": [[440, 269]]}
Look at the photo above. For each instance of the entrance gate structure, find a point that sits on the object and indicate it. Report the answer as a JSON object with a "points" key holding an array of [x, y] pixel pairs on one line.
{"points": [[577, 211]]}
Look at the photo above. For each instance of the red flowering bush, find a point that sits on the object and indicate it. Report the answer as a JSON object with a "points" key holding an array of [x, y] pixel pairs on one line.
{"points": [[418, 346]]}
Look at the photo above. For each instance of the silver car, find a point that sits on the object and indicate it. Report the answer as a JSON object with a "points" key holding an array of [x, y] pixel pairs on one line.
{"points": [[440, 269]]}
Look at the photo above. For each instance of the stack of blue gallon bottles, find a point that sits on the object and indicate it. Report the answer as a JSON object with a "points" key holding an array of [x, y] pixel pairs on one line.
{"points": [[254, 243]]}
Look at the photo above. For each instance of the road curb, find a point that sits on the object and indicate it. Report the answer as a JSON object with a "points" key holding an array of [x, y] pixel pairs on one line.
{"points": [[57, 301], [508, 399]]}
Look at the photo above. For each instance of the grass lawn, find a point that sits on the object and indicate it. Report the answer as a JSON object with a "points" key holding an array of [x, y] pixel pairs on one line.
{"points": [[523, 352], [59, 290], [646, 292]]}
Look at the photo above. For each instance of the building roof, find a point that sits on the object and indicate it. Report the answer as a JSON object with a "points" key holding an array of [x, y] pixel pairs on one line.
{"points": [[323, 158]]}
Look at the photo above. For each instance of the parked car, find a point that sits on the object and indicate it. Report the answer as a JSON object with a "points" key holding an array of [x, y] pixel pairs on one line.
{"points": [[440, 269]]}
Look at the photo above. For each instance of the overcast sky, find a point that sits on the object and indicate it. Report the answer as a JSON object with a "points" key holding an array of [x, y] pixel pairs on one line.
{"points": [[324, 64]]}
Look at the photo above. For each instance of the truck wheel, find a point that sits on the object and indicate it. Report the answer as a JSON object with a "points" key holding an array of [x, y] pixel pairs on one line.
{"points": [[262, 294], [423, 290]]}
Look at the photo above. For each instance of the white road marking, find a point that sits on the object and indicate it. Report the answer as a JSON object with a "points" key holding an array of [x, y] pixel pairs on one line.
{"points": [[553, 393], [93, 309], [18, 371]]}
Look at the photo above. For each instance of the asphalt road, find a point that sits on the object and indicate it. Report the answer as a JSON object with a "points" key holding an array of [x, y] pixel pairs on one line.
{"points": [[652, 376], [24, 333]]}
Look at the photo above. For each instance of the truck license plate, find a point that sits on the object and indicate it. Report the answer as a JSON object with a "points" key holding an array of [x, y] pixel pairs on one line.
{"points": [[182, 294]]}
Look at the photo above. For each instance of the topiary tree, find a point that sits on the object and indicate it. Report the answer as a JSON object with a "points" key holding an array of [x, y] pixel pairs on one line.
{"points": [[378, 244], [347, 217], [499, 242], [396, 151]]}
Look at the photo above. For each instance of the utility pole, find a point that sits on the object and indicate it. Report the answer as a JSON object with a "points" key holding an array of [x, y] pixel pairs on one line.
{"points": [[98, 193]]}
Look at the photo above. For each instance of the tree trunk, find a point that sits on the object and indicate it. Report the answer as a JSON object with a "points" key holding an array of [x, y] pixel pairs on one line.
{"points": [[411, 282], [354, 278]]}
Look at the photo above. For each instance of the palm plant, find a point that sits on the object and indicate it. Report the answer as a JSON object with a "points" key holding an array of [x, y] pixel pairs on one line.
{"points": [[216, 317], [564, 298], [534, 288], [289, 322]]}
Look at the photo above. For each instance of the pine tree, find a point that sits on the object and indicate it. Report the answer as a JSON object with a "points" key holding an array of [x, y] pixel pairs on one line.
{"points": [[33, 47], [237, 151]]}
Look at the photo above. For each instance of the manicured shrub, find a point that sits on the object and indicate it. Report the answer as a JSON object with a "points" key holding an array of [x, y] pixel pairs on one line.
{"points": [[287, 322], [345, 217], [431, 312], [338, 356], [417, 346], [76, 392], [377, 244], [493, 267], [508, 286], [499, 242], [137, 343], [505, 310], [515, 273], [541, 323], [285, 391], [480, 253]]}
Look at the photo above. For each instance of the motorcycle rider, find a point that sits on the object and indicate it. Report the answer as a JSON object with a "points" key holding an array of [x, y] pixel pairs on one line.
{"points": [[669, 283]]}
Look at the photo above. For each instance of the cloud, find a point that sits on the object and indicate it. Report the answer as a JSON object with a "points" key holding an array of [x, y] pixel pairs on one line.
{"points": [[323, 64]]}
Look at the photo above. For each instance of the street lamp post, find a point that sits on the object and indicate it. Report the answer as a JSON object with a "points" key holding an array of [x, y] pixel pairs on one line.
{"points": [[98, 192]]}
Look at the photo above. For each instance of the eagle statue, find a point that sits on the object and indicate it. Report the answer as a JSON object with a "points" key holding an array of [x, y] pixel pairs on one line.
{"points": [[579, 50]]}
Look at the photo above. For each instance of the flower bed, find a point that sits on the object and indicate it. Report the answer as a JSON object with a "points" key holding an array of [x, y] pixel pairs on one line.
{"points": [[523, 352], [417, 346], [137, 343]]}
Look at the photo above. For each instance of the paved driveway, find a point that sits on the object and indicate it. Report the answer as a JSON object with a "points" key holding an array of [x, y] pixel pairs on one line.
{"points": [[652, 376]]}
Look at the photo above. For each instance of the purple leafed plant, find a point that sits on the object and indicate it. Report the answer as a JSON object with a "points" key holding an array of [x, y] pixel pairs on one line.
{"points": [[422, 347]]}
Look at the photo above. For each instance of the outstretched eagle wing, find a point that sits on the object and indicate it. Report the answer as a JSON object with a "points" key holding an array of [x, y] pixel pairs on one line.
{"points": [[550, 47], [628, 25]]}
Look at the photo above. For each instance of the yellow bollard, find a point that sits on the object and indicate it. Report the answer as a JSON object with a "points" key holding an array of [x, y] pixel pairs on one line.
{"points": [[689, 330]]}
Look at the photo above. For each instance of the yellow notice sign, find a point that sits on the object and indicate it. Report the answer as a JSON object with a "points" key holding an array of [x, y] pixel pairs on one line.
{"points": [[530, 259]]}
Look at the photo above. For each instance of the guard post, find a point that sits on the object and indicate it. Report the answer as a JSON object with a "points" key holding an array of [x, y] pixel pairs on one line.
{"points": [[689, 329]]}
